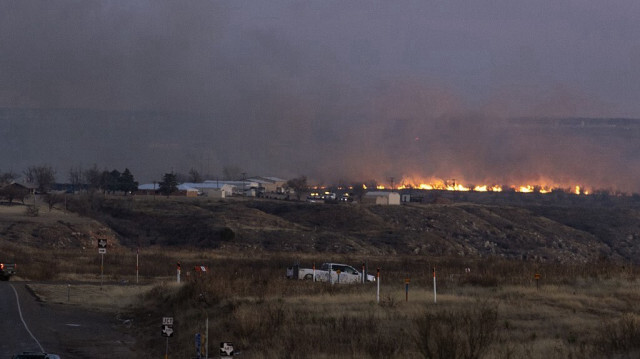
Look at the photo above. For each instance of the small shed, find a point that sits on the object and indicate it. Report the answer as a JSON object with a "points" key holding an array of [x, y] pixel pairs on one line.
{"points": [[186, 190], [383, 198]]}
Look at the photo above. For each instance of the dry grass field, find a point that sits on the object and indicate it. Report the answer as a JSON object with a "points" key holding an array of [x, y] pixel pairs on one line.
{"points": [[496, 311], [586, 303]]}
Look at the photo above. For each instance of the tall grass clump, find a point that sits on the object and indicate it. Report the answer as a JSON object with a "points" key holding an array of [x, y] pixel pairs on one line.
{"points": [[463, 334], [620, 338]]}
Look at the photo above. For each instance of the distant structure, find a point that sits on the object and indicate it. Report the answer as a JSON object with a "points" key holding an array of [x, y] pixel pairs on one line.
{"points": [[383, 198], [222, 189], [269, 184], [212, 189]]}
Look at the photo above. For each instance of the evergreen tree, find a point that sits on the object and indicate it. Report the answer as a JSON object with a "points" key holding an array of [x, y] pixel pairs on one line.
{"points": [[110, 181], [127, 183], [169, 184]]}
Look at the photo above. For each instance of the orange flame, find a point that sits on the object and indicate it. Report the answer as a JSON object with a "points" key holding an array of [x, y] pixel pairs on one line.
{"points": [[547, 186]]}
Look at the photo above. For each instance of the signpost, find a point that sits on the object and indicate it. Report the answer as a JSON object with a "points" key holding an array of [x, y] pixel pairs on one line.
{"points": [[537, 278], [167, 331], [226, 350], [198, 345], [102, 250]]}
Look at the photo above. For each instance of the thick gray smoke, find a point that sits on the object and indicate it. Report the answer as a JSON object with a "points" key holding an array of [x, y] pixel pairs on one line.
{"points": [[335, 90]]}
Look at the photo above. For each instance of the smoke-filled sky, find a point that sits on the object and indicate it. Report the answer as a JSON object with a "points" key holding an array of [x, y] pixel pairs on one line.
{"points": [[335, 90]]}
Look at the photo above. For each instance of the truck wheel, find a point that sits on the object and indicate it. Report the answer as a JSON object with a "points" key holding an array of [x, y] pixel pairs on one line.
{"points": [[308, 277]]}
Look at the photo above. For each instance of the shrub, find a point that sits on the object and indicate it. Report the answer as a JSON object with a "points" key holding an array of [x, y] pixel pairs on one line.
{"points": [[32, 211], [465, 334], [620, 337]]}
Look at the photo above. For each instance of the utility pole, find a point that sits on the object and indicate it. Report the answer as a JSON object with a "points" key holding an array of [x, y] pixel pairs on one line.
{"points": [[244, 175]]}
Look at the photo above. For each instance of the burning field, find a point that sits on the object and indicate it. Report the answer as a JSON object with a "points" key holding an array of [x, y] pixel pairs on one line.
{"points": [[527, 155]]}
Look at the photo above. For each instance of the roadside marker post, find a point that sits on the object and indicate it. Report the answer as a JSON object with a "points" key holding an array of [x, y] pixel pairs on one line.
{"points": [[406, 289], [102, 250], [178, 272], [364, 274], [378, 290], [206, 338], [537, 278], [137, 264], [314, 271], [434, 285], [338, 271]]}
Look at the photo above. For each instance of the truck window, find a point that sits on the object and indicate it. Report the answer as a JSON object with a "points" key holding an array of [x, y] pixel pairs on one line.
{"points": [[350, 270]]}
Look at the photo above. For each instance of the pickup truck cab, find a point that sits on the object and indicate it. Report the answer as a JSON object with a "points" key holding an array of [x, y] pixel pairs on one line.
{"points": [[330, 272], [7, 270]]}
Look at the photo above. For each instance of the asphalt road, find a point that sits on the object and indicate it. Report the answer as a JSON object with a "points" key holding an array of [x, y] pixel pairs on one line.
{"points": [[55, 328]]}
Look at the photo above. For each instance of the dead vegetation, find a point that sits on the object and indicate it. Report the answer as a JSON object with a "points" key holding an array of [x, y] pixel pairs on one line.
{"points": [[529, 230], [586, 304], [493, 311]]}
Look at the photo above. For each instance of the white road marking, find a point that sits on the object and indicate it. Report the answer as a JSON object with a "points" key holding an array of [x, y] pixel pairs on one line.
{"points": [[73, 325], [22, 318]]}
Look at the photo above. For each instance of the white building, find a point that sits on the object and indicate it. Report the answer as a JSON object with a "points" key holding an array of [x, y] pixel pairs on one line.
{"points": [[270, 184], [213, 189], [238, 186], [383, 198]]}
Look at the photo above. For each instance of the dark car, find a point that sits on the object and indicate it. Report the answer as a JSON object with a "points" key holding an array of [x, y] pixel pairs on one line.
{"points": [[35, 355]]}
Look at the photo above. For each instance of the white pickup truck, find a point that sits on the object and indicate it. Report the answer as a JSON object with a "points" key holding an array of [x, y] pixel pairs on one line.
{"points": [[330, 272]]}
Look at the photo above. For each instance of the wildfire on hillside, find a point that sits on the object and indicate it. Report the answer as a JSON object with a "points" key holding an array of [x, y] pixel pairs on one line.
{"points": [[453, 185]]}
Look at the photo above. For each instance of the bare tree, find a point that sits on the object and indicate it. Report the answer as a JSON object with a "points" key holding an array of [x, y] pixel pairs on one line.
{"points": [[75, 177], [181, 177], [11, 192], [299, 185], [54, 198], [231, 173], [92, 177], [7, 177], [43, 176], [194, 176]]}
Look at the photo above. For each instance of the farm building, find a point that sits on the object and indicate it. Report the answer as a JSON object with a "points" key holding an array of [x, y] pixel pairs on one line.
{"points": [[153, 188], [249, 187], [213, 189], [383, 198], [270, 184]]}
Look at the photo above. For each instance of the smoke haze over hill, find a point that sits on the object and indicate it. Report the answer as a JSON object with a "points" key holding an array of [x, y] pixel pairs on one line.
{"points": [[334, 90]]}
